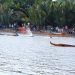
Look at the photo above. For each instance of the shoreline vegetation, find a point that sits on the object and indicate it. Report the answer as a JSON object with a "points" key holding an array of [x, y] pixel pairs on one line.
{"points": [[41, 33], [38, 14]]}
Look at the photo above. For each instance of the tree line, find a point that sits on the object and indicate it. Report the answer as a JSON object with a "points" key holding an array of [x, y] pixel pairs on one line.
{"points": [[38, 12]]}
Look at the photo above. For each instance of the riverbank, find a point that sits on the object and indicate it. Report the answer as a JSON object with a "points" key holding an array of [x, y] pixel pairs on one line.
{"points": [[52, 35], [41, 33]]}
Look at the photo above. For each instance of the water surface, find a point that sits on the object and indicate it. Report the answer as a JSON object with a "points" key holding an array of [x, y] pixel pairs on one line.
{"points": [[24, 55]]}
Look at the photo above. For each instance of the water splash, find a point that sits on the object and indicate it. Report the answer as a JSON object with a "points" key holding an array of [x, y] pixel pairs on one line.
{"points": [[29, 32]]}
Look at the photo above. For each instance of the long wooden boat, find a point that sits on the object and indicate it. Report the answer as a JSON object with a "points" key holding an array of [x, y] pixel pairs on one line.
{"points": [[62, 45], [60, 34]]}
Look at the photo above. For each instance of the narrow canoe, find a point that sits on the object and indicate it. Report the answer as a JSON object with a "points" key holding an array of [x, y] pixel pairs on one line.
{"points": [[62, 34], [62, 45]]}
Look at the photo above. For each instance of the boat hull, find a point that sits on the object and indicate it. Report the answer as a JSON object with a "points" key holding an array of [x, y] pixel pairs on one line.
{"points": [[62, 45], [59, 34]]}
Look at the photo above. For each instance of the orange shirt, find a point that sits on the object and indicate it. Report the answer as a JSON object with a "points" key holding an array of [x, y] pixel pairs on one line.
{"points": [[21, 29]]}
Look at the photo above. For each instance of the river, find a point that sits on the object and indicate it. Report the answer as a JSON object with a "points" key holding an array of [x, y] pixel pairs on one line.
{"points": [[25, 55]]}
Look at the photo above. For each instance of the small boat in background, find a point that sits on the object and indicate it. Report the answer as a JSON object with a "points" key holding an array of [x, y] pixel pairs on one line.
{"points": [[62, 45], [26, 31], [61, 34]]}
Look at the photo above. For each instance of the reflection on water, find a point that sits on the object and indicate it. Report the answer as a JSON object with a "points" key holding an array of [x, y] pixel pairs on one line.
{"points": [[35, 56]]}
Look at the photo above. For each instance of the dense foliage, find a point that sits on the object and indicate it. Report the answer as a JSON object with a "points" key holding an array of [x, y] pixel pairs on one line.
{"points": [[38, 12]]}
